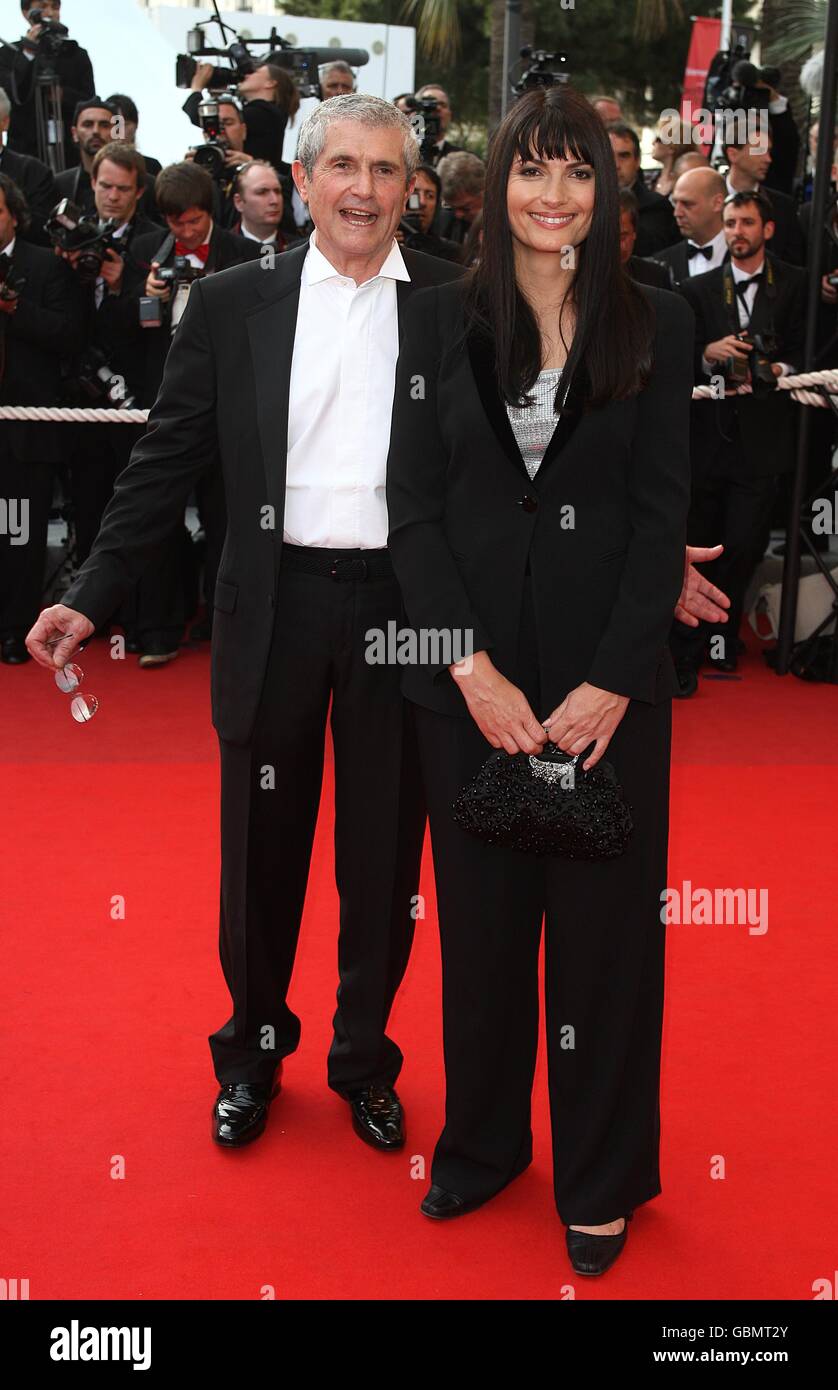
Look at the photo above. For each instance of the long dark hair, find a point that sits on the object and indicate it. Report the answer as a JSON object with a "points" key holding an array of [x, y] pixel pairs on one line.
{"points": [[614, 320]]}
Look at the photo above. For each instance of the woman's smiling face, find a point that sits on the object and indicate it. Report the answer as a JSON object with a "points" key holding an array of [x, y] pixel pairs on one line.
{"points": [[550, 202]]}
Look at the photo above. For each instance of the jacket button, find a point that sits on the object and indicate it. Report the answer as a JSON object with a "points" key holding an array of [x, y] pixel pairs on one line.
{"points": [[530, 504]]}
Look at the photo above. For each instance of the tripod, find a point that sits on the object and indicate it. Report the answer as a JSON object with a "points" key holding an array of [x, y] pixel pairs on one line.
{"points": [[49, 117]]}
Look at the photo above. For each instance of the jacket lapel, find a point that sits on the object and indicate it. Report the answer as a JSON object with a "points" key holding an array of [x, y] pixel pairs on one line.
{"points": [[481, 359], [271, 327]]}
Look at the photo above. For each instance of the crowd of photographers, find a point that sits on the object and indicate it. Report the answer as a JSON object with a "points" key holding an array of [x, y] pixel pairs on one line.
{"points": [[97, 259]]}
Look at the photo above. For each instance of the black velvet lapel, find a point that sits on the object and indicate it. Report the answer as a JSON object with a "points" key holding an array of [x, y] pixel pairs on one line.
{"points": [[481, 358]]}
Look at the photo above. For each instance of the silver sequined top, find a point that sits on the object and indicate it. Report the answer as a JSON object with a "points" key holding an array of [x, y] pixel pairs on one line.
{"points": [[533, 425]]}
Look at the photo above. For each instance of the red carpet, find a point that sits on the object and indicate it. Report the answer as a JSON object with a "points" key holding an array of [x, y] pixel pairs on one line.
{"points": [[105, 1023]]}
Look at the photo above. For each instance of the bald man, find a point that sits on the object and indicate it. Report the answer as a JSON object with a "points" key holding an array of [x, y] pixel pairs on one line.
{"points": [[697, 199]]}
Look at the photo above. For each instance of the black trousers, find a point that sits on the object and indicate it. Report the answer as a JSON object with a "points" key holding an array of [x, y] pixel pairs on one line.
{"points": [[736, 510], [29, 486], [604, 979], [317, 657]]}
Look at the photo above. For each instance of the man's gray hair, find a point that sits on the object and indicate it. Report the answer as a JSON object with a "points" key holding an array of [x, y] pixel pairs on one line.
{"points": [[463, 175], [5, 105], [366, 110], [337, 66]]}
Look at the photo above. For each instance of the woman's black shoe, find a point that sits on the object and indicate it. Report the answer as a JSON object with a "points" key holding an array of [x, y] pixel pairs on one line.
{"points": [[594, 1254]]}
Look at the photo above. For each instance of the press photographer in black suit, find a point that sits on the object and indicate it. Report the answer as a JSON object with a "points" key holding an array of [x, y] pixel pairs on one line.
{"points": [[186, 196], [555, 551], [34, 179], [19, 75], [740, 444], [40, 322], [100, 452], [645, 272], [265, 374], [269, 100]]}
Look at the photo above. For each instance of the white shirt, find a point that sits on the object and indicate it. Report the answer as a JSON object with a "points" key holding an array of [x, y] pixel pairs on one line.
{"points": [[340, 404], [251, 236], [9, 250], [697, 265]]}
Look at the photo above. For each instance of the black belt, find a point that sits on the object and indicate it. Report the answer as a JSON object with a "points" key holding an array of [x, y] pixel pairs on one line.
{"points": [[337, 564]]}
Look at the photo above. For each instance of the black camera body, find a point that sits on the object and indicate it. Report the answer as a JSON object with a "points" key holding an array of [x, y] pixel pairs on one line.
{"points": [[180, 272], [69, 230], [99, 383], [153, 312], [211, 155], [758, 363]]}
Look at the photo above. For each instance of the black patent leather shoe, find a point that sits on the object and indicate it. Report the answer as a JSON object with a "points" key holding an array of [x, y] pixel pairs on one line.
{"points": [[240, 1112], [441, 1205], [14, 651], [594, 1254], [377, 1117]]}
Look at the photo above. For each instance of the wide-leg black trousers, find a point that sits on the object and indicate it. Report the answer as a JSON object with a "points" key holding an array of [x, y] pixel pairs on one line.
{"points": [[604, 978], [270, 794]]}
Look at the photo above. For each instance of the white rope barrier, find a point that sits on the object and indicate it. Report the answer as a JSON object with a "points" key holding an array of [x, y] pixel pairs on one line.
{"points": [[796, 383], [59, 414]]}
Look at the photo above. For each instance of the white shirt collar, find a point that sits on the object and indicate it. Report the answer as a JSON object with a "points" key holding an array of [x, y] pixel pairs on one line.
{"points": [[10, 248], [317, 267], [745, 274], [251, 236]]}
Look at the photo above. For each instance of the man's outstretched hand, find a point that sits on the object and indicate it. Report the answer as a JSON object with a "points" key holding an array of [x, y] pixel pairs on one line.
{"points": [[699, 599], [63, 629]]}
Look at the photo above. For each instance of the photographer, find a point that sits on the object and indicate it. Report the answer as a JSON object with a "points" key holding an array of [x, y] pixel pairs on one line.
{"points": [[270, 99], [110, 370], [750, 158], [656, 226], [40, 322], [432, 91], [34, 179], [750, 319], [195, 246], [414, 230], [42, 49], [222, 154], [336, 79], [95, 124], [126, 109]]}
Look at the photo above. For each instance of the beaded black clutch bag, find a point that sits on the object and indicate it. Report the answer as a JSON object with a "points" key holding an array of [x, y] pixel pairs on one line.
{"points": [[540, 804]]}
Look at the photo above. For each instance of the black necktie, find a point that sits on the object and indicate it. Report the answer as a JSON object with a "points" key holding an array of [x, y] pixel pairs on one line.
{"points": [[742, 285], [693, 250]]}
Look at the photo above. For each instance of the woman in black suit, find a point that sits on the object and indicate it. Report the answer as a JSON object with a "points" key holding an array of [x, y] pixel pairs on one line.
{"points": [[555, 552]]}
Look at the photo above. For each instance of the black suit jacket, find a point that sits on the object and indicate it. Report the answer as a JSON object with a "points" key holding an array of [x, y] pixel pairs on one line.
{"points": [[788, 242], [44, 329], [224, 397], [649, 273], [465, 518], [677, 263], [37, 183], [765, 426], [656, 225]]}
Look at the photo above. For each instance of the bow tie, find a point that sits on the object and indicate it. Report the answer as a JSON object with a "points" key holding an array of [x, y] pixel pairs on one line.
{"points": [[200, 251], [742, 285], [693, 250]]}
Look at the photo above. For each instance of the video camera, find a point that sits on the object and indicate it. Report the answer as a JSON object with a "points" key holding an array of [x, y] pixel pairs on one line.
{"points": [[210, 155], [69, 230], [302, 64], [732, 78], [52, 37], [427, 122], [545, 70]]}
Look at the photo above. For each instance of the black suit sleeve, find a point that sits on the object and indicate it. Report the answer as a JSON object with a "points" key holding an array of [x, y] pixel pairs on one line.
{"points": [[55, 324], [152, 491], [433, 591], [658, 486], [265, 122]]}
